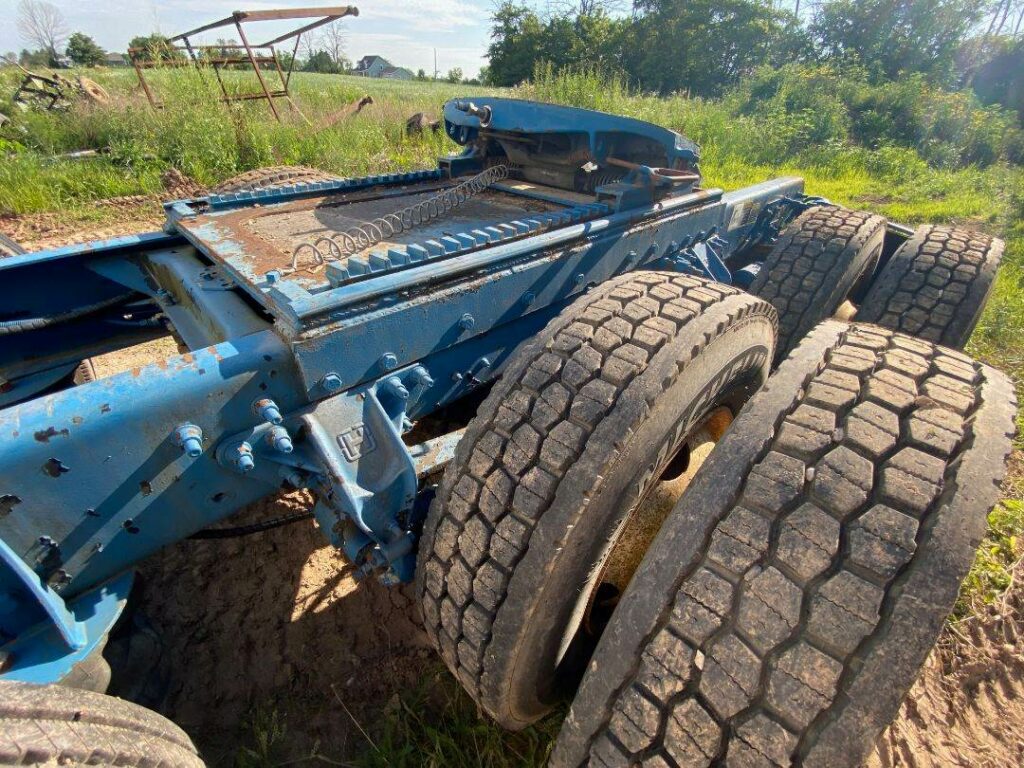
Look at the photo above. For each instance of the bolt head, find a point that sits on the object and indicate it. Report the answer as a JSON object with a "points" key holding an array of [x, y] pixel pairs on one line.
{"points": [[467, 321], [331, 382], [388, 361], [273, 276]]}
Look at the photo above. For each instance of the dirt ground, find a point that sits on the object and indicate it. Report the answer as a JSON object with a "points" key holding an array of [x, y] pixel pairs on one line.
{"points": [[270, 634]]}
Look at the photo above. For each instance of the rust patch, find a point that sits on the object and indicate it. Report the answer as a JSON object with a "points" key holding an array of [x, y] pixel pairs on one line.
{"points": [[7, 503], [55, 467], [105, 408], [44, 435]]}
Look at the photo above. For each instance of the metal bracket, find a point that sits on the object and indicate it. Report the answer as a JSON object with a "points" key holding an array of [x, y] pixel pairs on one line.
{"points": [[348, 448]]}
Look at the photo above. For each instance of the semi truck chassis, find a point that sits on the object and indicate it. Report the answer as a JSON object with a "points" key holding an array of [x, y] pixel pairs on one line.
{"points": [[328, 332]]}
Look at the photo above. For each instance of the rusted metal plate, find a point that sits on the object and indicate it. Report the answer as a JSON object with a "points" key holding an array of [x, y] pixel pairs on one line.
{"points": [[255, 240]]}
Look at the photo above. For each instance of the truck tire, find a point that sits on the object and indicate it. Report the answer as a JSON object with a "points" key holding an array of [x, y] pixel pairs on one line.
{"points": [[817, 262], [56, 725], [566, 446], [793, 594], [273, 177], [935, 285]]}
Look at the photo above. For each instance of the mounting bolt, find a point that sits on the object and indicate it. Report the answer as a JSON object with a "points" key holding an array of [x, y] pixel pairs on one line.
{"points": [[395, 386], [422, 377], [388, 361], [268, 411], [280, 440], [272, 276], [466, 322], [457, 377], [580, 278], [189, 438], [331, 382], [241, 457], [528, 298]]}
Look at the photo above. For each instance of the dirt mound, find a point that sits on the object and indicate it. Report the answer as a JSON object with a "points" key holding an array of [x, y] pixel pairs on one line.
{"points": [[967, 708]]}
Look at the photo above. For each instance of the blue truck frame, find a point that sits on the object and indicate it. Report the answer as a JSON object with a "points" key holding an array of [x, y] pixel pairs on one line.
{"points": [[310, 378]]}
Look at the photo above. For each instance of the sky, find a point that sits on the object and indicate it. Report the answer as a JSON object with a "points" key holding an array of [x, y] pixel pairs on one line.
{"points": [[405, 32]]}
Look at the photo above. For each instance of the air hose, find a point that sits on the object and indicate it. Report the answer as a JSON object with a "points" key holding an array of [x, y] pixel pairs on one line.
{"points": [[8, 327]]}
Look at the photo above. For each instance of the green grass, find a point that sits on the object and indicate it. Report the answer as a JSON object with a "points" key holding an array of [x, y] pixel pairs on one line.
{"points": [[438, 725], [204, 139]]}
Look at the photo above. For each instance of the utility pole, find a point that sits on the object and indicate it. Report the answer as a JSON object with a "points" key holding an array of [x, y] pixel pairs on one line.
{"points": [[435, 63]]}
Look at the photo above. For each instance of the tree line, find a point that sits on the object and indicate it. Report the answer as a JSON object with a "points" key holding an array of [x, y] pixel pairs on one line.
{"points": [[703, 47]]}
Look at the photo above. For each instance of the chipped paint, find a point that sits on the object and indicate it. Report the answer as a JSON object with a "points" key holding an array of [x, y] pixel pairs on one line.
{"points": [[44, 435]]}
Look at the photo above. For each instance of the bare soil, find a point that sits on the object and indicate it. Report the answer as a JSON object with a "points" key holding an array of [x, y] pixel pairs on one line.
{"points": [[274, 628], [967, 707], [275, 623]]}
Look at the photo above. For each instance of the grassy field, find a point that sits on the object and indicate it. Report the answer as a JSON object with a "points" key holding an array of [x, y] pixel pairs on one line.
{"points": [[209, 143]]}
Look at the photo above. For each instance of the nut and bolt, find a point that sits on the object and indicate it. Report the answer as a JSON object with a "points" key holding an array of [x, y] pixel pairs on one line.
{"points": [[395, 386], [331, 382], [268, 411], [422, 377], [241, 458], [388, 361], [273, 276], [189, 438], [467, 321], [280, 440]]}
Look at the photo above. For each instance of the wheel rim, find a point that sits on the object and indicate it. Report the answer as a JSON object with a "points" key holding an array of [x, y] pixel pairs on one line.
{"points": [[638, 528]]}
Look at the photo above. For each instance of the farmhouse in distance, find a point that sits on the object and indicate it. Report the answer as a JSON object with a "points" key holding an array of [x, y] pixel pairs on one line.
{"points": [[378, 66]]}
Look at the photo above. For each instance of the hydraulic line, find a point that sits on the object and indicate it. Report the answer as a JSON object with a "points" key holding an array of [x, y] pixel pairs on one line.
{"points": [[246, 530], [8, 327]]}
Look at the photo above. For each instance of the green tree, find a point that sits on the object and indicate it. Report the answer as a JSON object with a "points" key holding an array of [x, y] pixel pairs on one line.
{"points": [[454, 75], [321, 61], [520, 40], [704, 46], [30, 59], [154, 47], [421, 74], [895, 37], [84, 51]]}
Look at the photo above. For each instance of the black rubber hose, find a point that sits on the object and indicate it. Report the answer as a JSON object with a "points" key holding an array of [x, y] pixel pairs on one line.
{"points": [[246, 530], [8, 327], [11, 247]]}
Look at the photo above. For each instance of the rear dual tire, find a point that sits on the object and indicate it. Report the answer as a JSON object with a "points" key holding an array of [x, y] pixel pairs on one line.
{"points": [[793, 594], [935, 285], [821, 258], [582, 424]]}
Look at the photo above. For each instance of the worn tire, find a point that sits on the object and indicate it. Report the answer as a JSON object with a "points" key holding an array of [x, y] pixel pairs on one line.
{"points": [[935, 285], [567, 443], [273, 177], [54, 724], [799, 584], [815, 265]]}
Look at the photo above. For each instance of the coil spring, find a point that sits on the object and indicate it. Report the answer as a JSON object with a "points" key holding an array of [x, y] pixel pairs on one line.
{"points": [[356, 239]]}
